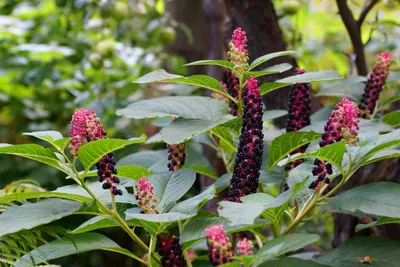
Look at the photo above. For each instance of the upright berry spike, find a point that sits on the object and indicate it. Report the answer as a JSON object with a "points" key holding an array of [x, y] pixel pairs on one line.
{"points": [[299, 113], [232, 84], [220, 250], [342, 125], [145, 196], [237, 53], [85, 125], [376, 81], [176, 155], [245, 246], [170, 250], [246, 171]]}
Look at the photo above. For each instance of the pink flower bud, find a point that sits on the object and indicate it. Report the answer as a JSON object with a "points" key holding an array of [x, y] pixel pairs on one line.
{"points": [[145, 196], [245, 246], [219, 247], [376, 81], [237, 53]]}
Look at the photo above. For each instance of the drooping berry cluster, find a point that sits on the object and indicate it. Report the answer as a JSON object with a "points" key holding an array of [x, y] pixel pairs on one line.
{"points": [[245, 246], [145, 196], [176, 155], [105, 171], [375, 83], [342, 125], [170, 250], [246, 171], [220, 250], [86, 126], [299, 113]]}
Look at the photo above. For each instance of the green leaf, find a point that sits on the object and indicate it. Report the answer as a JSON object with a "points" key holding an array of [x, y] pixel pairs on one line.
{"points": [[291, 262], [191, 205], [97, 222], [71, 245], [128, 172], [225, 138], [383, 252], [313, 76], [188, 107], [36, 152], [179, 183], [380, 199], [32, 195], [30, 215], [223, 63], [48, 136], [234, 125], [273, 114], [265, 58], [156, 223], [184, 129], [282, 245], [380, 221], [272, 86], [146, 158], [286, 143], [195, 230], [198, 80], [393, 76], [352, 88], [61, 144], [239, 213], [92, 152], [392, 118], [279, 68]]}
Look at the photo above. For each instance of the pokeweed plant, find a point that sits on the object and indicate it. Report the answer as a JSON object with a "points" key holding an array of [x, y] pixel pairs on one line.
{"points": [[316, 155]]}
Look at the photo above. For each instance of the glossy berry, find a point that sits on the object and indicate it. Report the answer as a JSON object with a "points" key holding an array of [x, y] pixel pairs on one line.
{"points": [[299, 113], [176, 156], [247, 166], [219, 248], [342, 125], [170, 250], [145, 196], [376, 81], [232, 84], [106, 171]]}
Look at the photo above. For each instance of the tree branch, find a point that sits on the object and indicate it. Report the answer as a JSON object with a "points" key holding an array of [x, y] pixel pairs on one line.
{"points": [[355, 35], [367, 8]]}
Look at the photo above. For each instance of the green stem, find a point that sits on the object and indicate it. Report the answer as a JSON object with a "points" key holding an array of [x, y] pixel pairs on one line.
{"points": [[152, 247], [275, 230], [184, 252]]}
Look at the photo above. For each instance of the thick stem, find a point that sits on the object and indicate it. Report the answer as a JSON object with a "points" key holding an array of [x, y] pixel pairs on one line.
{"points": [[184, 252]]}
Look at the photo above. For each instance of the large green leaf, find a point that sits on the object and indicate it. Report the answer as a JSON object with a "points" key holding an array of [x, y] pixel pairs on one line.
{"points": [[312, 76], [383, 253], [35, 195], [48, 136], [191, 205], [286, 143], [92, 152], [198, 80], [36, 152], [184, 129], [94, 223], [225, 138], [31, 215], [239, 213], [380, 199], [69, 246], [222, 63], [265, 58], [271, 86], [129, 172], [282, 245], [270, 70], [188, 107], [146, 158], [380, 221], [179, 183], [291, 262], [392, 118], [352, 88]]}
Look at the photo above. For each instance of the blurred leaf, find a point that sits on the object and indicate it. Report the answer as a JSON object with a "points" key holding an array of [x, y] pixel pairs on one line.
{"points": [[291, 262], [36, 195], [392, 118], [313, 76], [352, 88], [223, 63], [279, 68], [265, 58], [271, 86]]}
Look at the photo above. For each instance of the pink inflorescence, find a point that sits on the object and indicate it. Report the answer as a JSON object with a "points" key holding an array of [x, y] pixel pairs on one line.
{"points": [[299, 113], [145, 196], [376, 81], [245, 246], [237, 53], [342, 125], [246, 171], [219, 248], [86, 126], [170, 250]]}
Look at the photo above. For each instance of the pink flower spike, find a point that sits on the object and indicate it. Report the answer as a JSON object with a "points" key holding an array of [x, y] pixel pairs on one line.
{"points": [[219, 247], [145, 196], [245, 246], [237, 53]]}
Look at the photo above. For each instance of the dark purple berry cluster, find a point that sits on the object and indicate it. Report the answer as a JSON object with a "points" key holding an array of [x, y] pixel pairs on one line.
{"points": [[106, 172], [176, 156], [170, 250], [246, 171], [299, 113], [233, 89], [375, 83]]}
